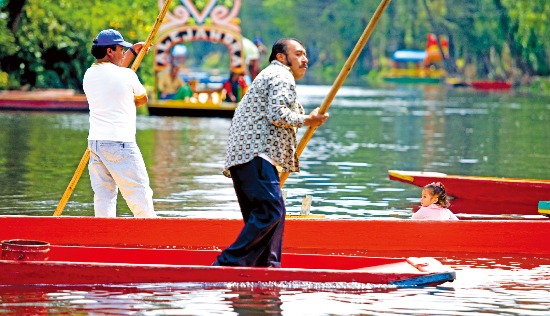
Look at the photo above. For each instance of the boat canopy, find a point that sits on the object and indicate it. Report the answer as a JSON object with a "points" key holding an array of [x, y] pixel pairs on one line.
{"points": [[409, 55], [179, 50]]}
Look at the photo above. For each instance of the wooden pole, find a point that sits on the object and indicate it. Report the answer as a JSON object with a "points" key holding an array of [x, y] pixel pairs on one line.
{"points": [[137, 61], [340, 79]]}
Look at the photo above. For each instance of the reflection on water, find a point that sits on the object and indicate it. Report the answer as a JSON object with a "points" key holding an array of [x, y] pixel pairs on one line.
{"points": [[513, 286], [344, 168]]}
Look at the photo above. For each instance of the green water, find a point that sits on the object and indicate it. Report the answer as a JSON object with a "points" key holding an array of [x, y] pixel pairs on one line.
{"points": [[345, 170], [344, 166]]}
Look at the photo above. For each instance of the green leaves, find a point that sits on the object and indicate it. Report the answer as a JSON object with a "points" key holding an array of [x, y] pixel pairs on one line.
{"points": [[51, 45], [54, 37]]}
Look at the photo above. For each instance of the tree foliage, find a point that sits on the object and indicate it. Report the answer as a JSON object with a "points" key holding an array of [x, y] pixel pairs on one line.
{"points": [[54, 38], [49, 47], [499, 38]]}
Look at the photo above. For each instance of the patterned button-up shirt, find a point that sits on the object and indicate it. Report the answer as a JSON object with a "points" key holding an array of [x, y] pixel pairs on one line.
{"points": [[265, 121]]}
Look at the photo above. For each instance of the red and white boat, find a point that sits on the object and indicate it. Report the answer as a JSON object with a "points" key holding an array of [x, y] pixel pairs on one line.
{"points": [[483, 195]]}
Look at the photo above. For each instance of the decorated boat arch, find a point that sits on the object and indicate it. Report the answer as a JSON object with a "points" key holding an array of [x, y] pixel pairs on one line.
{"points": [[419, 66], [212, 21]]}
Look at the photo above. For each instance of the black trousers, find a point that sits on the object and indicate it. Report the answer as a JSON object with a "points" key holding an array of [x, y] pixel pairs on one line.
{"points": [[259, 243]]}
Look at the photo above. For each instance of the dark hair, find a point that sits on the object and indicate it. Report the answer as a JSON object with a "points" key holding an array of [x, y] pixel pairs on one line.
{"points": [[280, 47], [438, 189], [100, 51]]}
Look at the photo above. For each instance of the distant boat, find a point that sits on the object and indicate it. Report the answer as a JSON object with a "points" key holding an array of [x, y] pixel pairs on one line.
{"points": [[491, 85], [202, 106], [408, 67], [455, 82], [170, 50], [43, 100], [484, 195]]}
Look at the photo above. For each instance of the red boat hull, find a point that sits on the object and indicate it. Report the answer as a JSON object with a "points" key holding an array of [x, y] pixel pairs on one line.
{"points": [[46, 100], [491, 85], [483, 195], [392, 237], [109, 265]]}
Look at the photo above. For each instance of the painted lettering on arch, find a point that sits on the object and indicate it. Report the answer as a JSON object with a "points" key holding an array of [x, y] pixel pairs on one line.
{"points": [[232, 40]]}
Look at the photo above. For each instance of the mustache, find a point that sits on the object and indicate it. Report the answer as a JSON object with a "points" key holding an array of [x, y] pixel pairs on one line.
{"points": [[301, 65]]}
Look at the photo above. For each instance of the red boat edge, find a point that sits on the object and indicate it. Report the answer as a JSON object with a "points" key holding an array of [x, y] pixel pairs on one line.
{"points": [[370, 237], [111, 265]]}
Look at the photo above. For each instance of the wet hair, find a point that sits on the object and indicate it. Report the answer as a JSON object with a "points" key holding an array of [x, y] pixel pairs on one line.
{"points": [[438, 189], [280, 46], [100, 51]]}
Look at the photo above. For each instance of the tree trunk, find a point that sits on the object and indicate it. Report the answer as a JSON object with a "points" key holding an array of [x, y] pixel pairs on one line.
{"points": [[15, 9], [440, 29], [515, 50]]}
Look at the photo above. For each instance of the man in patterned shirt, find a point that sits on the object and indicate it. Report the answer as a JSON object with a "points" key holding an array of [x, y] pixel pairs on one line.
{"points": [[262, 139]]}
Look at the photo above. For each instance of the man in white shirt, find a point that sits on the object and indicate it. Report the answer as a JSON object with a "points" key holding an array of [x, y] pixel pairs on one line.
{"points": [[114, 92]]}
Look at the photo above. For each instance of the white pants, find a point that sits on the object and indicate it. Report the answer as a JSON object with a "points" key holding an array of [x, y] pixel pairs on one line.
{"points": [[119, 165]]}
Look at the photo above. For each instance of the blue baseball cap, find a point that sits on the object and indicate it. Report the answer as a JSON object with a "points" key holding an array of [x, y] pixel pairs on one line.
{"points": [[110, 37]]}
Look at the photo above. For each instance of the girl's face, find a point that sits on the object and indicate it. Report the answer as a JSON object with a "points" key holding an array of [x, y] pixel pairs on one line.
{"points": [[428, 198]]}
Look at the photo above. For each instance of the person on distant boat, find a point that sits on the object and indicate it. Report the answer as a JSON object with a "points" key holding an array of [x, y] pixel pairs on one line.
{"points": [[262, 139], [114, 92], [254, 64], [171, 86], [434, 203], [235, 87]]}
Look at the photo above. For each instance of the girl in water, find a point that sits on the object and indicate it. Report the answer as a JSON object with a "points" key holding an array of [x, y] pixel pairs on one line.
{"points": [[434, 203]]}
